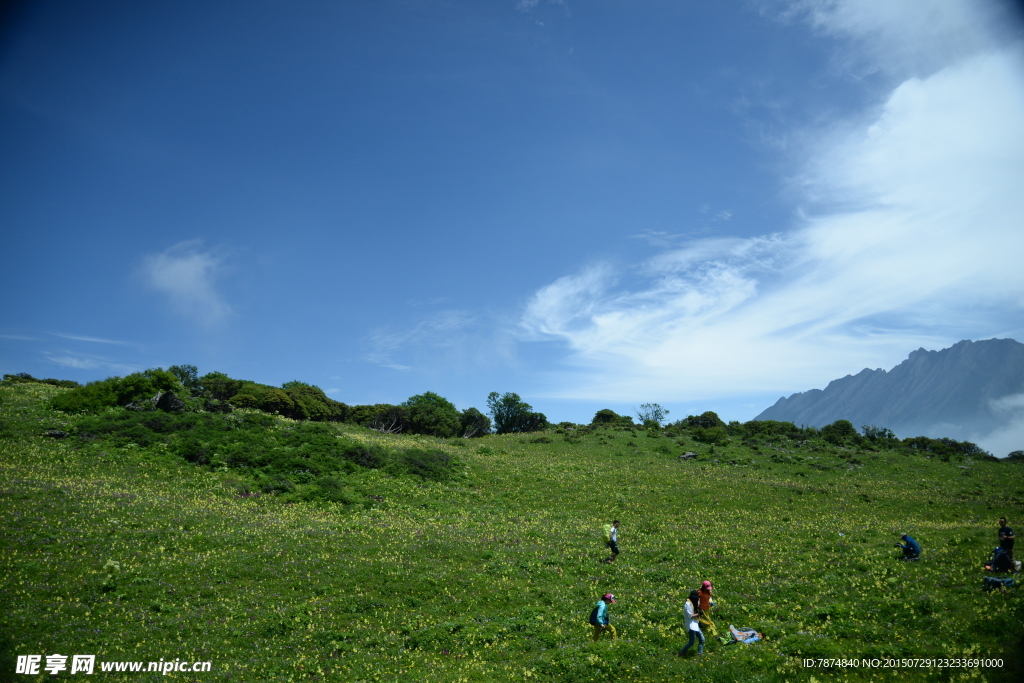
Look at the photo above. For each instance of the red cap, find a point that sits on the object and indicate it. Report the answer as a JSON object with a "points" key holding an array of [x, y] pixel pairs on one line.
{"points": [[608, 597], [706, 584]]}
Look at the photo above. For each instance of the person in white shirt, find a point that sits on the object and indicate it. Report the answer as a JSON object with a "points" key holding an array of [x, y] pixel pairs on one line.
{"points": [[691, 612], [613, 541]]}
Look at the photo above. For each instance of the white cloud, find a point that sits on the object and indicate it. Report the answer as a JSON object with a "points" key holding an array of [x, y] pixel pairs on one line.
{"points": [[1009, 437], [903, 37], [451, 339], [911, 238], [69, 359], [187, 276], [95, 340]]}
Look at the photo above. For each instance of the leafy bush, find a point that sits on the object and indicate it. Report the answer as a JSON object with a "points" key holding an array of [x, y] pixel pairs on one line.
{"points": [[116, 391], [878, 434], [311, 403], [651, 412], [298, 453], [474, 423], [945, 448], [218, 386], [429, 413], [25, 378], [766, 428], [265, 398], [706, 420], [382, 417], [513, 415], [607, 416], [839, 432], [711, 435]]}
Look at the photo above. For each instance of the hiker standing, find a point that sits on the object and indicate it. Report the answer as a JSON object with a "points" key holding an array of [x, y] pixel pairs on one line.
{"points": [[599, 617], [911, 548], [705, 603], [612, 540], [691, 612], [1006, 538]]}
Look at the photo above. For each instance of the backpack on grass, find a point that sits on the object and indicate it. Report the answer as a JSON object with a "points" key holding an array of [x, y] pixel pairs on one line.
{"points": [[744, 635], [992, 583], [607, 533], [1000, 561]]}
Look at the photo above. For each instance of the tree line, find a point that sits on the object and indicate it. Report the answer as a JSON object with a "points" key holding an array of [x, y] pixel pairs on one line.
{"points": [[431, 414]]}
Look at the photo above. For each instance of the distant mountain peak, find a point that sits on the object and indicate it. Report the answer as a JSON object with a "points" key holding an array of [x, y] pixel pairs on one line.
{"points": [[951, 392]]}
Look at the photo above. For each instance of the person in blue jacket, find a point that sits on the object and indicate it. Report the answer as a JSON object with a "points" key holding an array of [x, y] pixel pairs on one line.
{"points": [[599, 617], [911, 548]]}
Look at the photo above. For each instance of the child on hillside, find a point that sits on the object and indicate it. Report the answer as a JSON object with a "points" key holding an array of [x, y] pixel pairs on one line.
{"points": [[705, 603], [691, 610], [612, 541], [599, 617]]}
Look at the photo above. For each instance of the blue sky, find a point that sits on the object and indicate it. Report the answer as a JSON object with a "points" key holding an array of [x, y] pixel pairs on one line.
{"points": [[592, 204]]}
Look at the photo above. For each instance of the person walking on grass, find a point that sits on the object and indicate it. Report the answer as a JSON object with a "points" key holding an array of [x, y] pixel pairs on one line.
{"points": [[705, 603], [599, 617], [612, 540], [691, 613]]}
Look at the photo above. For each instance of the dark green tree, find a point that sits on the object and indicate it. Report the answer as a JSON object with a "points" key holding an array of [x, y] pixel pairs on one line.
{"points": [[873, 433], [474, 423], [218, 386], [606, 416], [188, 375], [839, 431], [706, 420], [513, 415], [432, 414]]}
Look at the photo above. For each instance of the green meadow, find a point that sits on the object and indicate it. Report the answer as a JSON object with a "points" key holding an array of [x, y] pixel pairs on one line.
{"points": [[130, 552]]}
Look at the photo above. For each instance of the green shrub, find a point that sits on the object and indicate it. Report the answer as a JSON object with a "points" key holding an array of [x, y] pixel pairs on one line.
{"points": [[839, 432], [116, 391], [25, 378], [711, 435], [766, 428], [606, 416], [311, 403], [513, 415], [429, 413], [300, 452], [473, 423], [706, 420]]}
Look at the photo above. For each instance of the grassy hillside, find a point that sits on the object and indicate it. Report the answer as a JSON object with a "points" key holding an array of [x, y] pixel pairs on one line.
{"points": [[133, 553]]}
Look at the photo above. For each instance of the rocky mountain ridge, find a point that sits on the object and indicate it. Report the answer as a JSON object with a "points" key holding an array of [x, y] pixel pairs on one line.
{"points": [[964, 390]]}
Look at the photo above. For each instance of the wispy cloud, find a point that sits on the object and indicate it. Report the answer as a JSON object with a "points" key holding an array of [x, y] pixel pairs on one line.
{"points": [[18, 337], [77, 361], [901, 37], [910, 236], [187, 275], [96, 340], [455, 340]]}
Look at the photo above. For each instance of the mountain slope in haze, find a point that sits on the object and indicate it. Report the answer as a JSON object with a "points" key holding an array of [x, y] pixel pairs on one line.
{"points": [[965, 390]]}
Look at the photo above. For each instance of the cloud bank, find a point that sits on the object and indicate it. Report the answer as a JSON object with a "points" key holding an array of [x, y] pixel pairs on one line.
{"points": [[187, 276], [909, 236]]}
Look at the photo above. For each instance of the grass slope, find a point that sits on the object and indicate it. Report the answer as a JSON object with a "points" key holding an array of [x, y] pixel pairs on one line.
{"points": [[491, 576]]}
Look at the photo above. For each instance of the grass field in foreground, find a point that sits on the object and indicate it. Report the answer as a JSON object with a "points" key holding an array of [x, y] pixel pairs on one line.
{"points": [[491, 577]]}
